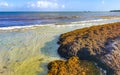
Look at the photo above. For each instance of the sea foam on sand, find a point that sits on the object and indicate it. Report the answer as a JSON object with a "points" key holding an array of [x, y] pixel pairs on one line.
{"points": [[27, 51]]}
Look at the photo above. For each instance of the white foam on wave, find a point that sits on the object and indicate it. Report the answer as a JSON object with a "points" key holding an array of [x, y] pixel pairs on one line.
{"points": [[98, 21]]}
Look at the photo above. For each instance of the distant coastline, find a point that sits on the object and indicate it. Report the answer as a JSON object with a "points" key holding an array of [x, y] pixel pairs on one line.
{"points": [[114, 10]]}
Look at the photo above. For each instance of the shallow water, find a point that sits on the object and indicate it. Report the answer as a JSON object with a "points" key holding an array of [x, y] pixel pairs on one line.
{"points": [[27, 51]]}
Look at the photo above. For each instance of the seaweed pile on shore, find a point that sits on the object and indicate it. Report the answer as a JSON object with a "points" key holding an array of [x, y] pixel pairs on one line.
{"points": [[73, 66], [100, 44]]}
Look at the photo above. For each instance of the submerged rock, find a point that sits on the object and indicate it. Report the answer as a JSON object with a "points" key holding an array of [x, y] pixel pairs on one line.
{"points": [[73, 66], [97, 43]]}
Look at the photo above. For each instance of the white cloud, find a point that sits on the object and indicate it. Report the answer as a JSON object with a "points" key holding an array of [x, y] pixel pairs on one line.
{"points": [[63, 6], [103, 2], [4, 4], [45, 4]]}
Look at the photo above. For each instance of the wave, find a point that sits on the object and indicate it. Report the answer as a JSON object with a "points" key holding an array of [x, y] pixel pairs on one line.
{"points": [[98, 21]]}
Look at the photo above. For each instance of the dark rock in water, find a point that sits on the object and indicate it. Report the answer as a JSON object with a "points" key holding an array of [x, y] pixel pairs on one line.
{"points": [[72, 66], [97, 43]]}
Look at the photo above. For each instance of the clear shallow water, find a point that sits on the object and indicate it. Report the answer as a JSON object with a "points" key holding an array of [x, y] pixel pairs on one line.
{"points": [[8, 19]]}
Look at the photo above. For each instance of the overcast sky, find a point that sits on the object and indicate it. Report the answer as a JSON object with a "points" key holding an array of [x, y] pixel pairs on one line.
{"points": [[59, 5]]}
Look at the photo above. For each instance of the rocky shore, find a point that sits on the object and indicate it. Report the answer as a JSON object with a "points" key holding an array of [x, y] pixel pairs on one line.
{"points": [[100, 44]]}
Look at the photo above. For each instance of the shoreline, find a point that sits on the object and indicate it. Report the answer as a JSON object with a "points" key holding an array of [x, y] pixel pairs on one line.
{"points": [[102, 21]]}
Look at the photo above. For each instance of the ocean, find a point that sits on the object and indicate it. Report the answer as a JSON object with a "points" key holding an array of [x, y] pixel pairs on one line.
{"points": [[28, 40], [8, 19]]}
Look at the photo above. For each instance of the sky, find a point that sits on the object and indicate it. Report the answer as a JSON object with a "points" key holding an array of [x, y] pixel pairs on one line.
{"points": [[59, 5]]}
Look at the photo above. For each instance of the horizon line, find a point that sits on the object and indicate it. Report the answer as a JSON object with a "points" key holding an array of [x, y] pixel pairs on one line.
{"points": [[56, 11]]}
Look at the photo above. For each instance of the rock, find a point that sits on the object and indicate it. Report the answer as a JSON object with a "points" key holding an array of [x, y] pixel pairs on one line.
{"points": [[73, 66], [97, 43]]}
